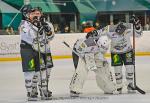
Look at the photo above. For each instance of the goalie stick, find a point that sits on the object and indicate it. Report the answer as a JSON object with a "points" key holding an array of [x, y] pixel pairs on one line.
{"points": [[135, 85], [71, 49]]}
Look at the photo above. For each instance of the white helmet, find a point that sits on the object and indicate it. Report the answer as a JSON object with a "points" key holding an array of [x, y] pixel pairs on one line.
{"points": [[103, 43]]}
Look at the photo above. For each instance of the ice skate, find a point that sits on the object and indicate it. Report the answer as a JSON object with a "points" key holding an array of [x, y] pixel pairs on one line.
{"points": [[107, 93], [32, 97], [46, 95], [119, 90], [74, 94], [130, 89]]}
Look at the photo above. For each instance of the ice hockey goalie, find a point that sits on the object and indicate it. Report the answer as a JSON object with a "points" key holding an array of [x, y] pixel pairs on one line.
{"points": [[88, 55]]}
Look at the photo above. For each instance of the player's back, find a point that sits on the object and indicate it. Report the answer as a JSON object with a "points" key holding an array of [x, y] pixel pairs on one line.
{"points": [[86, 45]]}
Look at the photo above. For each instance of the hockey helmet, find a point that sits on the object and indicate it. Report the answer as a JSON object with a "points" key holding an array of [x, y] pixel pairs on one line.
{"points": [[26, 10], [36, 9], [103, 43], [120, 28], [93, 34]]}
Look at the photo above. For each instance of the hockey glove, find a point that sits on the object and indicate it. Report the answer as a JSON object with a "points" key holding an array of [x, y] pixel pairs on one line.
{"points": [[136, 22], [47, 28], [36, 22]]}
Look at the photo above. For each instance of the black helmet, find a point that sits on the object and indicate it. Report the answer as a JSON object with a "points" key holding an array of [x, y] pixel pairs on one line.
{"points": [[26, 9], [120, 28], [93, 34], [36, 8]]}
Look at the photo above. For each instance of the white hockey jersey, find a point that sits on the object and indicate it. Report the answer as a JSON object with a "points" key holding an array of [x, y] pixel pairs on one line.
{"points": [[29, 33], [86, 46], [120, 43], [89, 50]]}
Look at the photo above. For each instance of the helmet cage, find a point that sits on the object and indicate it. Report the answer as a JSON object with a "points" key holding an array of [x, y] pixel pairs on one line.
{"points": [[120, 28]]}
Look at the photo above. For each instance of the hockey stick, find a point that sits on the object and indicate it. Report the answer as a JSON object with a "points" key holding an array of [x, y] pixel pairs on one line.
{"points": [[66, 44], [39, 55], [135, 85], [45, 62], [45, 42]]}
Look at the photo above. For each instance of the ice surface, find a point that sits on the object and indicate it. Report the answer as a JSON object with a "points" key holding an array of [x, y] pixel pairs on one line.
{"points": [[12, 88]]}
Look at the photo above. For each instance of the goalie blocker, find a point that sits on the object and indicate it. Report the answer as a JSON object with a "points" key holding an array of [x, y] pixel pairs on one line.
{"points": [[91, 58]]}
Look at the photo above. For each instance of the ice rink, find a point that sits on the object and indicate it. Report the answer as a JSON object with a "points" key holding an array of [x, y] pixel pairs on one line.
{"points": [[12, 88]]}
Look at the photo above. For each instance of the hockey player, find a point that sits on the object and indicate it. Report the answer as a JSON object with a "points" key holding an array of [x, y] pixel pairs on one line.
{"points": [[121, 49], [31, 29], [88, 55], [122, 52], [46, 35]]}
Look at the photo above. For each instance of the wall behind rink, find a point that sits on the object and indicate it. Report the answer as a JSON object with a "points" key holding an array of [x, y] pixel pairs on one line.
{"points": [[9, 45]]}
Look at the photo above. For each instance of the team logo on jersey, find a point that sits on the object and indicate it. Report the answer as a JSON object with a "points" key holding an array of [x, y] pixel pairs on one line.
{"points": [[23, 29], [129, 57], [116, 59], [31, 65]]}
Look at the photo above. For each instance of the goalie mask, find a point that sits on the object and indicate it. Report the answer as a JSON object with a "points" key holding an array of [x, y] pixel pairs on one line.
{"points": [[103, 43], [120, 28], [93, 34]]}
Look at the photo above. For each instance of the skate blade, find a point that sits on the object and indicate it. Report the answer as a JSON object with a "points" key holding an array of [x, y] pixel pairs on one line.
{"points": [[32, 99], [46, 98], [74, 95], [131, 92]]}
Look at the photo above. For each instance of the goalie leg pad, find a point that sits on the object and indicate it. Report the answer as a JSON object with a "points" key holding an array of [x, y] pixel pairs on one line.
{"points": [[106, 85], [79, 77], [104, 80], [118, 74], [119, 77], [103, 74]]}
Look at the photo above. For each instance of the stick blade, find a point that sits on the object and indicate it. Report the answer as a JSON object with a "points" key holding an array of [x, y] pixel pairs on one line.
{"points": [[66, 44], [140, 90], [137, 89]]}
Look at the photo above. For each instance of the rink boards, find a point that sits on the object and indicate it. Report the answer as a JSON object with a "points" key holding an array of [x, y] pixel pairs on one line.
{"points": [[9, 46]]}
